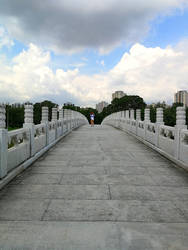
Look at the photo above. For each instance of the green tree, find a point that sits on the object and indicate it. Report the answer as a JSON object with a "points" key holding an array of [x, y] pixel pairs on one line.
{"points": [[14, 116]]}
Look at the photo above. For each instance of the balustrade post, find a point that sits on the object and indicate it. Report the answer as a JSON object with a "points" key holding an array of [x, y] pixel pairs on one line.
{"points": [[28, 123], [159, 122], [3, 143], [127, 119], [146, 120], [65, 115], [147, 115], [46, 122], [132, 114], [69, 114], [180, 124], [54, 119], [61, 119], [138, 118], [127, 114], [72, 119]]}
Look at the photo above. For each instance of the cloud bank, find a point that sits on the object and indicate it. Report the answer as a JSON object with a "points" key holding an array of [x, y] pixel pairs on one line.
{"points": [[73, 25], [153, 73]]}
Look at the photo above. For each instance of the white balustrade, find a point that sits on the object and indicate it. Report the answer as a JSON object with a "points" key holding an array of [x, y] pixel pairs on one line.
{"points": [[170, 141], [20, 148]]}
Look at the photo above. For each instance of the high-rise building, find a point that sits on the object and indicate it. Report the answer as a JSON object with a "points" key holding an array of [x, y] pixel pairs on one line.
{"points": [[100, 106], [118, 94], [181, 97]]}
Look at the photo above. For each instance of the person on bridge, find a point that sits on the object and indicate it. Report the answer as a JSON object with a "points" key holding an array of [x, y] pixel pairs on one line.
{"points": [[92, 117]]}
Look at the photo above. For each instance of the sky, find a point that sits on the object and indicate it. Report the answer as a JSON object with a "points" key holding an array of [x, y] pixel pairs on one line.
{"points": [[80, 51]]}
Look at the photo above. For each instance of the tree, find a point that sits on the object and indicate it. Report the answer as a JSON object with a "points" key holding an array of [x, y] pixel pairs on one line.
{"points": [[14, 116]]}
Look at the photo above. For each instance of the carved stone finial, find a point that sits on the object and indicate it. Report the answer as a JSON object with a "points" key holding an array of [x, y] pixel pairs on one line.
{"points": [[28, 116], [127, 114], [180, 116], [54, 114], [147, 115], [2, 116], [138, 114], [65, 113], [159, 118], [61, 114], [44, 115], [132, 114]]}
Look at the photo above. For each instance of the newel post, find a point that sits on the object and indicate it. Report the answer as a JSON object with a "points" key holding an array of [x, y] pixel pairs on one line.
{"points": [[46, 122], [138, 118], [61, 119], [146, 120], [180, 124], [3, 143], [69, 116], [65, 116], [28, 123], [147, 115], [54, 119], [159, 122]]}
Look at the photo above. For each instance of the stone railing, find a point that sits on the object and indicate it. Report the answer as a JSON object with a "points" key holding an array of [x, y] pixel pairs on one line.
{"points": [[172, 142], [20, 148]]}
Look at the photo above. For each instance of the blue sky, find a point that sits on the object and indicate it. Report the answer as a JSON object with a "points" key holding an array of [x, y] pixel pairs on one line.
{"points": [[83, 55]]}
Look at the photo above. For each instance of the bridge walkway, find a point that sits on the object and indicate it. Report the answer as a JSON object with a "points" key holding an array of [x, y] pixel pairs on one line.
{"points": [[98, 188]]}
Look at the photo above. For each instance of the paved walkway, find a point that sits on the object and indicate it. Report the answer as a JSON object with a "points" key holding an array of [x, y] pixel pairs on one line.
{"points": [[98, 188]]}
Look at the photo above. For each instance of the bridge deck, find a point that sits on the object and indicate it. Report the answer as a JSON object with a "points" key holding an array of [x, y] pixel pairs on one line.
{"points": [[98, 188]]}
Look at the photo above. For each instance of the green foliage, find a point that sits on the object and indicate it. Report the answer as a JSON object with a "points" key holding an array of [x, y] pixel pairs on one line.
{"points": [[128, 102], [14, 116], [37, 110], [169, 113]]}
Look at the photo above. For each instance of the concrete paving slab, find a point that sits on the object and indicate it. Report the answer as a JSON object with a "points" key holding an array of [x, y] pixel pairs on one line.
{"points": [[107, 179], [113, 210], [24, 210], [69, 170], [51, 163], [171, 180], [135, 170], [89, 210], [58, 192], [182, 206], [35, 178], [93, 235], [124, 192]]}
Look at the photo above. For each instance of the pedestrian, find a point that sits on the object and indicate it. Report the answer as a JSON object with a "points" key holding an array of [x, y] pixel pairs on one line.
{"points": [[92, 117]]}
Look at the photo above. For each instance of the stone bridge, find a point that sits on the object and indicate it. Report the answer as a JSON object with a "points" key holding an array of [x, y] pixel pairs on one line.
{"points": [[94, 188]]}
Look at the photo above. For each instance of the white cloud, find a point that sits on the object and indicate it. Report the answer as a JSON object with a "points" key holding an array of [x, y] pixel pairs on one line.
{"points": [[69, 25], [5, 40], [153, 73]]}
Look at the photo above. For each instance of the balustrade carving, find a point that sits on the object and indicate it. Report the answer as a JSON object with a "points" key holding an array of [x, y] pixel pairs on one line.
{"points": [[2, 116]]}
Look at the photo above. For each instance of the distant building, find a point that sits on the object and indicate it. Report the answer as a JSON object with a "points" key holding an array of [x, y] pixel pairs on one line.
{"points": [[18, 105], [118, 94], [181, 97], [100, 106], [159, 105], [69, 104]]}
